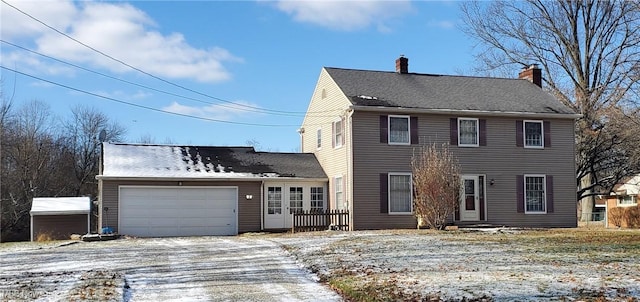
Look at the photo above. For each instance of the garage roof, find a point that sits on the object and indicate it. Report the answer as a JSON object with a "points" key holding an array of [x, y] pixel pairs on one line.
{"points": [[60, 205], [164, 161]]}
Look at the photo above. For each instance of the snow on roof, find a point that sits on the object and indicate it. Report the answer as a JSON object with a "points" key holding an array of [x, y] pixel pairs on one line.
{"points": [[60, 205], [162, 161]]}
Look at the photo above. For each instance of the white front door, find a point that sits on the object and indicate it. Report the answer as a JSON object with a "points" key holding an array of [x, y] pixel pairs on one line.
{"points": [[295, 196], [274, 207], [470, 199]]}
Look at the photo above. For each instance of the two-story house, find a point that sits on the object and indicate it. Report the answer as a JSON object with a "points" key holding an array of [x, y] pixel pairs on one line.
{"points": [[513, 140]]}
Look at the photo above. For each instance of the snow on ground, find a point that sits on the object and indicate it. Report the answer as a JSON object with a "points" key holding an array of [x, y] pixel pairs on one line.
{"points": [[495, 265], [454, 266], [162, 269]]}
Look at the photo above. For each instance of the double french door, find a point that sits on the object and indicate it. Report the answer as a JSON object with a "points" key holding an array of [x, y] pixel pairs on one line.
{"points": [[282, 200]]}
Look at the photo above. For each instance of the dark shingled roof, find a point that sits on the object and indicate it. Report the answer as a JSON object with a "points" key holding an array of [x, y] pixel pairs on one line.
{"points": [[445, 92], [136, 160]]}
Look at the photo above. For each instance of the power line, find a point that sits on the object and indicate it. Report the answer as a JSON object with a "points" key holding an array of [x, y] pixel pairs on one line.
{"points": [[149, 74], [143, 86], [141, 106]]}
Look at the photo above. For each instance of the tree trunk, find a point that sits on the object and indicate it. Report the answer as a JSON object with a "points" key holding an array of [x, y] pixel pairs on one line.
{"points": [[588, 202]]}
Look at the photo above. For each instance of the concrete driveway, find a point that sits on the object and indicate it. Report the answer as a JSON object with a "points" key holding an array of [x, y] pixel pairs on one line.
{"points": [[162, 269]]}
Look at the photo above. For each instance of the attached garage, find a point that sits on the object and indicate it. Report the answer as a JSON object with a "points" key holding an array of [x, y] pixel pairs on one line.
{"points": [[166, 191], [154, 211]]}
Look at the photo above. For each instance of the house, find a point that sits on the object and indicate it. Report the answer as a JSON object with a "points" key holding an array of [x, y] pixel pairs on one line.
{"points": [[159, 190], [59, 217], [622, 204], [514, 141]]}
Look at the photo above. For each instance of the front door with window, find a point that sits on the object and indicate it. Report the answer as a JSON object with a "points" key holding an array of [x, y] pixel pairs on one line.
{"points": [[274, 207], [470, 199], [281, 200]]}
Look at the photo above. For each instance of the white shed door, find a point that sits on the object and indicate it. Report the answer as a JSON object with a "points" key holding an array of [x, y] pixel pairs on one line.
{"points": [[178, 211]]}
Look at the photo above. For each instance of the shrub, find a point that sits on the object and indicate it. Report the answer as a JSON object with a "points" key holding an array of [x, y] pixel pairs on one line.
{"points": [[632, 217], [615, 216], [436, 185], [44, 237]]}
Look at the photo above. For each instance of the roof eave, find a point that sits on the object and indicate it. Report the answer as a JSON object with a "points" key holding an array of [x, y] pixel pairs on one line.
{"points": [[202, 179], [465, 112], [43, 213]]}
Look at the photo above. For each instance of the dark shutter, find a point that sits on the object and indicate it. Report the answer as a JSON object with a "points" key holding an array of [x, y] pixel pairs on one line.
{"points": [[520, 192], [384, 193], [549, 193], [384, 129], [413, 121], [483, 132], [453, 131], [519, 135], [481, 186], [333, 134], [344, 131], [547, 133]]}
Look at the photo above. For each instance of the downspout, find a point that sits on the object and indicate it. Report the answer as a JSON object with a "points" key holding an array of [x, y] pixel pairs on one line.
{"points": [[349, 113], [262, 205], [100, 172], [31, 230]]}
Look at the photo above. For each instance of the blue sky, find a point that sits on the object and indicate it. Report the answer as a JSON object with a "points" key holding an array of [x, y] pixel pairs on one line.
{"points": [[264, 57]]}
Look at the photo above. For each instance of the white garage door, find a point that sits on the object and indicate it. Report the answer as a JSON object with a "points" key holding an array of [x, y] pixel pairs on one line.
{"points": [[178, 211]]}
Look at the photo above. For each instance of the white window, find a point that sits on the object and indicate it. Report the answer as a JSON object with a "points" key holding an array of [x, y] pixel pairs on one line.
{"points": [[533, 134], [338, 188], [295, 199], [626, 200], [399, 130], [317, 199], [319, 138], [535, 194], [337, 131], [400, 193], [468, 132], [274, 200]]}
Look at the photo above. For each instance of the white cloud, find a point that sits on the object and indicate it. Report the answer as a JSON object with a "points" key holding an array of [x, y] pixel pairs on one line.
{"points": [[345, 15], [444, 24], [119, 30], [123, 95], [215, 111]]}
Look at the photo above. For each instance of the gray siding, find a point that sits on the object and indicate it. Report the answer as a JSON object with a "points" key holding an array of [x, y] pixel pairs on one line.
{"points": [[500, 160], [60, 227], [248, 210]]}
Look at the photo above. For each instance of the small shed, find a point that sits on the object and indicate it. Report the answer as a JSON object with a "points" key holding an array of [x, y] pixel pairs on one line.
{"points": [[59, 217]]}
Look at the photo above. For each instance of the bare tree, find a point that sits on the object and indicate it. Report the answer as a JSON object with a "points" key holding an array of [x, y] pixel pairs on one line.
{"points": [[5, 110], [591, 61], [82, 131], [436, 183], [34, 159]]}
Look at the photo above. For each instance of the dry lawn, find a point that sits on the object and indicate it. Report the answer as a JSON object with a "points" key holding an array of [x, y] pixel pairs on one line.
{"points": [[482, 265]]}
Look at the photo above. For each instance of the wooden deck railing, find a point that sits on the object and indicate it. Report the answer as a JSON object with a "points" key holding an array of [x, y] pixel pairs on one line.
{"points": [[308, 221]]}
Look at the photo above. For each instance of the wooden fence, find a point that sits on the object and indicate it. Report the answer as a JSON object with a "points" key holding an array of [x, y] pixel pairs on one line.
{"points": [[307, 221]]}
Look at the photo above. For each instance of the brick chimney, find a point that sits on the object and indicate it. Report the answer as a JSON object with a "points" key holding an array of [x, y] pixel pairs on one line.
{"points": [[532, 73], [402, 65]]}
